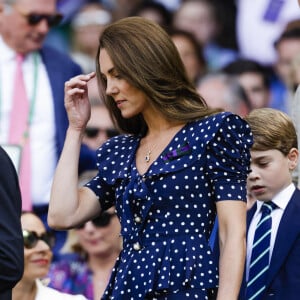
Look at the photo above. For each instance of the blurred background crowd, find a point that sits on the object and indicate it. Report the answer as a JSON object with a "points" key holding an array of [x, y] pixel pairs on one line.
{"points": [[255, 43]]}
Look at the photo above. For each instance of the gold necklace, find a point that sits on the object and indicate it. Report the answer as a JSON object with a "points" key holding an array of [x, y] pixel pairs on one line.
{"points": [[148, 154], [148, 157], [169, 132]]}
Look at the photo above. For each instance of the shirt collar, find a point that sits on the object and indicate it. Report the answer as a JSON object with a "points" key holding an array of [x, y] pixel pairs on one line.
{"points": [[281, 199], [6, 52]]}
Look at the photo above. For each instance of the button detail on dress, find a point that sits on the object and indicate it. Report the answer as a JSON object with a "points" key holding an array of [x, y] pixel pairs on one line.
{"points": [[137, 246], [138, 219]]}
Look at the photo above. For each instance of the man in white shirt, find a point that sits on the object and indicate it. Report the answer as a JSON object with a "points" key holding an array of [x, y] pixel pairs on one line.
{"points": [[24, 24]]}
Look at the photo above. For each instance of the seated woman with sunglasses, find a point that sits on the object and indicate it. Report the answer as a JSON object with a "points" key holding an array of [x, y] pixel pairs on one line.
{"points": [[96, 248], [37, 258]]}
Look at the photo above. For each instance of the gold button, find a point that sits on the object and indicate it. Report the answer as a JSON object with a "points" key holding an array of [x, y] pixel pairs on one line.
{"points": [[138, 219], [136, 246]]}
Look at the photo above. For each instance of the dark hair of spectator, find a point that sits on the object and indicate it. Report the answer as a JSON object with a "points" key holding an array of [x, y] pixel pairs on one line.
{"points": [[241, 66]]}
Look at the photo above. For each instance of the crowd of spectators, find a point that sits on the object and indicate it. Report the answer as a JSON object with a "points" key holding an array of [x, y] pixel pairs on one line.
{"points": [[219, 33], [239, 59]]}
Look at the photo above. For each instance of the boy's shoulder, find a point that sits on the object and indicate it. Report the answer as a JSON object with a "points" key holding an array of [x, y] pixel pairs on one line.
{"points": [[295, 199]]}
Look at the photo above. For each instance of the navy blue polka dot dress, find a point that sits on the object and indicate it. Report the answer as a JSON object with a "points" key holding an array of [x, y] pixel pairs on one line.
{"points": [[167, 214]]}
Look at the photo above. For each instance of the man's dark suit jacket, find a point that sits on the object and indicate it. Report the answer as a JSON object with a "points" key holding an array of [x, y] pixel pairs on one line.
{"points": [[11, 238], [60, 68], [283, 278]]}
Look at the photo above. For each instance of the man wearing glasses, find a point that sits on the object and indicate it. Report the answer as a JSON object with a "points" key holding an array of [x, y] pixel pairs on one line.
{"points": [[42, 72]]}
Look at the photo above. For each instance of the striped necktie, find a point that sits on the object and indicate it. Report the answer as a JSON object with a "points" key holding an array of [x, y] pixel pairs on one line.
{"points": [[260, 257]]}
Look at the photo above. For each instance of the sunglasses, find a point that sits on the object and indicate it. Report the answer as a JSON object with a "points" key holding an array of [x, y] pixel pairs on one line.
{"points": [[34, 18], [92, 132], [31, 238], [102, 221]]}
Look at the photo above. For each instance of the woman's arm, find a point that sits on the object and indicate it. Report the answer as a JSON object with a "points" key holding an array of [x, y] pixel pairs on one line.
{"points": [[232, 239], [69, 206]]}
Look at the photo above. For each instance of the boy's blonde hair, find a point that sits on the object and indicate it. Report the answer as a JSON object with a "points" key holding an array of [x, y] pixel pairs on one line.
{"points": [[272, 129]]}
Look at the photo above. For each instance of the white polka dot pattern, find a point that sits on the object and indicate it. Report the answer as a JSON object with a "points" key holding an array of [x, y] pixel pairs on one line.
{"points": [[167, 213]]}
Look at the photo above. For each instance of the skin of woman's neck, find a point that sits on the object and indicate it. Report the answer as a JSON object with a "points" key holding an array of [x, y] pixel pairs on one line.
{"points": [[24, 289], [157, 123], [102, 262]]}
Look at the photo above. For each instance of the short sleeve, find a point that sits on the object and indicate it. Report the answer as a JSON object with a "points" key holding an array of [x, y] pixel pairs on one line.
{"points": [[101, 185], [228, 159], [103, 191], [113, 161]]}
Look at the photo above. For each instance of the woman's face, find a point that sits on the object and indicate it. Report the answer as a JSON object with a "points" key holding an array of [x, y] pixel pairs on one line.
{"points": [[130, 100], [101, 241], [37, 259]]}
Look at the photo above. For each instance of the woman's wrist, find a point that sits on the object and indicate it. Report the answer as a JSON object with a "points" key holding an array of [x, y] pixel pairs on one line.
{"points": [[75, 133]]}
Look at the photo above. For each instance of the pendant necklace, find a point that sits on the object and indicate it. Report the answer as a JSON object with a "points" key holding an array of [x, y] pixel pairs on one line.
{"points": [[147, 157]]}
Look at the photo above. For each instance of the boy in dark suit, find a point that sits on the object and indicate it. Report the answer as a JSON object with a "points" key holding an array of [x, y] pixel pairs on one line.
{"points": [[273, 238]]}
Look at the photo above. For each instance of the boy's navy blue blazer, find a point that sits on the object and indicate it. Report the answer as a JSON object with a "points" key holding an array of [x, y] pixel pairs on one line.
{"points": [[283, 278]]}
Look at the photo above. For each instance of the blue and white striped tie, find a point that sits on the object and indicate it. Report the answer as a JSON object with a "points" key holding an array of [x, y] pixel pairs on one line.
{"points": [[260, 256]]}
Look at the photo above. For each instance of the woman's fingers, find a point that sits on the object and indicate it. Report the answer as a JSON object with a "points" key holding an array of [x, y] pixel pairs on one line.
{"points": [[76, 100], [78, 83], [76, 88]]}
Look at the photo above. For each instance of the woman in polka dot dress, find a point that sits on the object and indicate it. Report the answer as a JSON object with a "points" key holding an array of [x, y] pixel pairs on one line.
{"points": [[177, 164]]}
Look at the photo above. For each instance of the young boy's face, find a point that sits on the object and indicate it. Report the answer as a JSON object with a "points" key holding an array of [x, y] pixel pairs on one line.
{"points": [[271, 173]]}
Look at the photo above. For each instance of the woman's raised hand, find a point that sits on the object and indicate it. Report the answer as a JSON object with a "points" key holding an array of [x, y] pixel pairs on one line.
{"points": [[76, 101]]}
